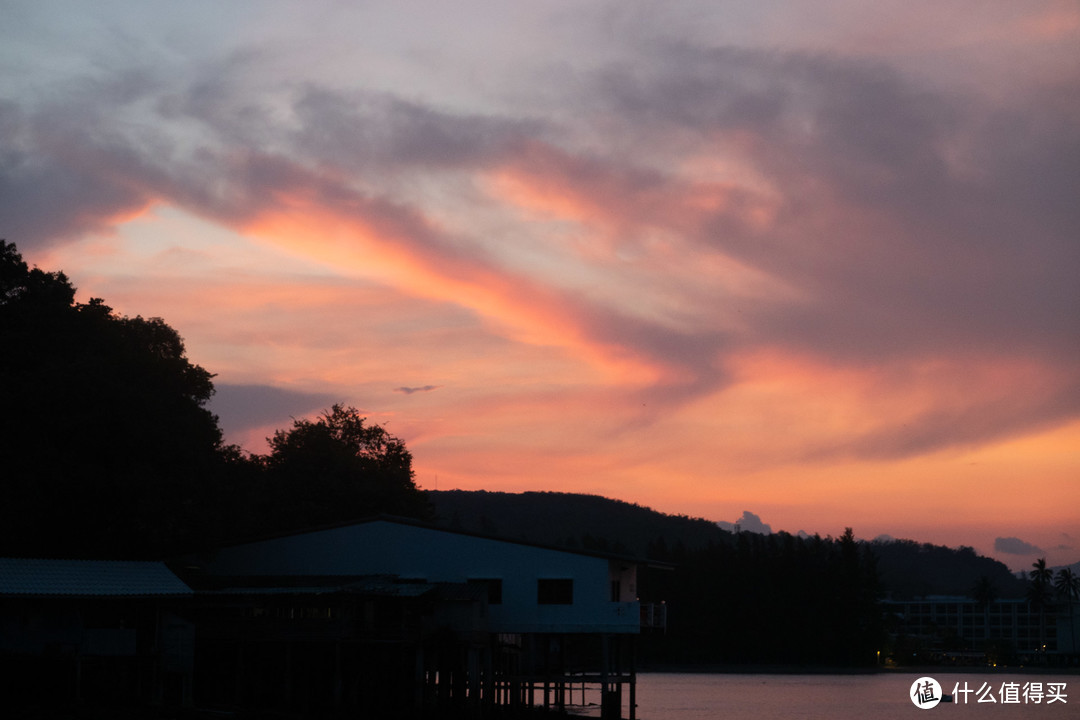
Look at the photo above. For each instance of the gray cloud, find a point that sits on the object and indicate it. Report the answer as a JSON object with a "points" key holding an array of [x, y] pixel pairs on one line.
{"points": [[908, 215], [749, 522], [411, 390], [245, 407], [365, 130], [1016, 546], [55, 182], [911, 222]]}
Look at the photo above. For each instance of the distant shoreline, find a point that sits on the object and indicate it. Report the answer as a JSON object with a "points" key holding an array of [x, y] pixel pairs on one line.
{"points": [[710, 669]]}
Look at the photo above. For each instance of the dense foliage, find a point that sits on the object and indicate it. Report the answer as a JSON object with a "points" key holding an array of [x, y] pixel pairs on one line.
{"points": [[104, 437], [770, 599], [335, 469], [107, 448], [912, 569]]}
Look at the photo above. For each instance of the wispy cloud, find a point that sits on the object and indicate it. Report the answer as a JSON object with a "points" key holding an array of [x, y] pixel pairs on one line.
{"points": [[412, 390]]}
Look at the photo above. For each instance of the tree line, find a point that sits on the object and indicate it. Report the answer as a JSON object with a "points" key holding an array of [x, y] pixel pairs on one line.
{"points": [[107, 448], [769, 599]]}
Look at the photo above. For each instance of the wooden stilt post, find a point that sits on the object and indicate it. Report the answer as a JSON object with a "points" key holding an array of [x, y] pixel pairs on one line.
{"points": [[605, 690], [473, 679], [337, 676], [288, 679], [238, 688], [419, 679]]}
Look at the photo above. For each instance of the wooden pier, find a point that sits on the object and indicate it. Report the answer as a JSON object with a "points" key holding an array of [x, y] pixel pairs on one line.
{"points": [[549, 672]]}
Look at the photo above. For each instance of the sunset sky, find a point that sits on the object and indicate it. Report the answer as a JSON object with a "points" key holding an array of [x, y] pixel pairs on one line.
{"points": [[815, 261]]}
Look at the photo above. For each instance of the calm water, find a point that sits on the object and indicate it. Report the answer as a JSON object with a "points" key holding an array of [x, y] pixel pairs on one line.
{"points": [[670, 696]]}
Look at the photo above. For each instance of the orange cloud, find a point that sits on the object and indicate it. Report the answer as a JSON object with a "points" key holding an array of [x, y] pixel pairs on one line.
{"points": [[616, 198], [892, 410], [380, 242]]}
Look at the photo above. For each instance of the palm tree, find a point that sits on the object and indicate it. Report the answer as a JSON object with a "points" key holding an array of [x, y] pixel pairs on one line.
{"points": [[1039, 595], [1041, 575], [1067, 584]]}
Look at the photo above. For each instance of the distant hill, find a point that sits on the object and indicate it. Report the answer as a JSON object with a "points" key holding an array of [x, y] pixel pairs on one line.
{"points": [[909, 569], [572, 520], [906, 568], [1075, 567]]}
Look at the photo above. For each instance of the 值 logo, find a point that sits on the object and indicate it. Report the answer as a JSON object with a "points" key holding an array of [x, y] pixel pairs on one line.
{"points": [[925, 693]]}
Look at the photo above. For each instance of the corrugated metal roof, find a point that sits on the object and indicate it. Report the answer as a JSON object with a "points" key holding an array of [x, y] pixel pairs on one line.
{"points": [[38, 577], [362, 587], [456, 531]]}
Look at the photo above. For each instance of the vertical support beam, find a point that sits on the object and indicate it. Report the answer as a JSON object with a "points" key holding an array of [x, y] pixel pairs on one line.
{"points": [[544, 647], [156, 661], [606, 692], [419, 679], [288, 679], [78, 675], [561, 696], [239, 677], [473, 671], [605, 661], [338, 679], [489, 675]]}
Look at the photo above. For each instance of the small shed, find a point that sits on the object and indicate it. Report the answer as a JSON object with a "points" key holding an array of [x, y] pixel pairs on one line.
{"points": [[85, 631]]}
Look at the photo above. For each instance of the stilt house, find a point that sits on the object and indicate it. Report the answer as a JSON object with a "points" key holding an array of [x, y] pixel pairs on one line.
{"points": [[398, 618]]}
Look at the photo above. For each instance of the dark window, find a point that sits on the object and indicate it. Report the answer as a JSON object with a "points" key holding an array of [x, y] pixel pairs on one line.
{"points": [[494, 589], [616, 591], [555, 591]]}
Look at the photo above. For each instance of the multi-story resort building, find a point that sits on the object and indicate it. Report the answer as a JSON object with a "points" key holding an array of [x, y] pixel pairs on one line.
{"points": [[961, 630]]}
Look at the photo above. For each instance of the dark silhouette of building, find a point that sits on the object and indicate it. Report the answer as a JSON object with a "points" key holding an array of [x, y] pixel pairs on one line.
{"points": [[401, 618]]}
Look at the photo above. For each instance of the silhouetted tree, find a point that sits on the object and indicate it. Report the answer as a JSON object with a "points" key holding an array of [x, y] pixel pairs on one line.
{"points": [[1039, 593], [338, 468], [1067, 585], [105, 443]]}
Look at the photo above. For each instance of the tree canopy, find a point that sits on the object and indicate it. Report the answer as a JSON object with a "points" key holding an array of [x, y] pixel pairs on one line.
{"points": [[336, 468], [107, 448], [104, 431]]}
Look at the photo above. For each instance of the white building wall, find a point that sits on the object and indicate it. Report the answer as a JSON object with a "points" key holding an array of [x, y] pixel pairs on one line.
{"points": [[382, 547]]}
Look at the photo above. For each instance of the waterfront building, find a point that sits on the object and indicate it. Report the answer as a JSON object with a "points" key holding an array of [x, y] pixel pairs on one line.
{"points": [[961, 630], [390, 615], [385, 617]]}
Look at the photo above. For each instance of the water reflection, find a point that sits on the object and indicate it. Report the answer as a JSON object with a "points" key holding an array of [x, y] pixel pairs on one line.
{"points": [[704, 696]]}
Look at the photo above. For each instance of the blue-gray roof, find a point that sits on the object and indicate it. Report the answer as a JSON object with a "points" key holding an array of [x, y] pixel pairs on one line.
{"points": [[386, 588], [39, 577]]}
